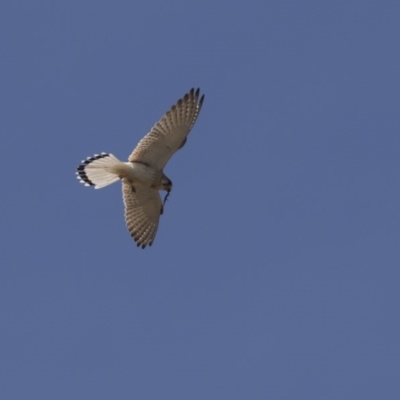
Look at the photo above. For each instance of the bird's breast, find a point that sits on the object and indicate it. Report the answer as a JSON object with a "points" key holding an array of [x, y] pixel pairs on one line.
{"points": [[144, 173]]}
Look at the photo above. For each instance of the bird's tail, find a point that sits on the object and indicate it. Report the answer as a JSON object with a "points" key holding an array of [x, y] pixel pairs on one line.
{"points": [[100, 170]]}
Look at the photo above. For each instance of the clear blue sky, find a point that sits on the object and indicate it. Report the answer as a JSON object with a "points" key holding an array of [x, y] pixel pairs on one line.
{"points": [[275, 271]]}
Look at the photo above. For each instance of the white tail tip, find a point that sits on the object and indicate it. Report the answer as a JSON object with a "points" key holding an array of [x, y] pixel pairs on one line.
{"points": [[96, 171]]}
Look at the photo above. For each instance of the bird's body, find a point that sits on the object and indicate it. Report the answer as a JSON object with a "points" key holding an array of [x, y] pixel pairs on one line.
{"points": [[142, 176], [136, 172]]}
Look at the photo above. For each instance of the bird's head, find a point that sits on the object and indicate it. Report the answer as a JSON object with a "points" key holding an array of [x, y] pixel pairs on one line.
{"points": [[166, 184]]}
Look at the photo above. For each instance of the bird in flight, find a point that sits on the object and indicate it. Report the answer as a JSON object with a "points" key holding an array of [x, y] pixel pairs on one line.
{"points": [[143, 176]]}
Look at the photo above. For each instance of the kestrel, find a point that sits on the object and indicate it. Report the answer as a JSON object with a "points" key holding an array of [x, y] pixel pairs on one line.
{"points": [[143, 176]]}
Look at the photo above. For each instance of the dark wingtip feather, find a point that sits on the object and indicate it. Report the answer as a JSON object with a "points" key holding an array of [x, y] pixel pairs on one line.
{"points": [[201, 100]]}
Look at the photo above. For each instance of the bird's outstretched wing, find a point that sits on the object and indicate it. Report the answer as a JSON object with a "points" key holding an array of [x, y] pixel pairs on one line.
{"points": [[169, 134], [143, 208]]}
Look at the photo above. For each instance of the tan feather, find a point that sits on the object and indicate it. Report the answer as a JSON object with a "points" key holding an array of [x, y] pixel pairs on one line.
{"points": [[169, 134], [143, 208]]}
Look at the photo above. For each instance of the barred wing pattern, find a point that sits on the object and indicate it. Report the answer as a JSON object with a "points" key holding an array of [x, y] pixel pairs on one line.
{"points": [[143, 207], [170, 133]]}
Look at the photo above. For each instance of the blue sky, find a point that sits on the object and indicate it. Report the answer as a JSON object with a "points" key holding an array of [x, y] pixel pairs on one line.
{"points": [[275, 271]]}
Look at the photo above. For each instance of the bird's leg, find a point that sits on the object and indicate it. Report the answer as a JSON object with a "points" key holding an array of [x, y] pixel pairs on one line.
{"points": [[166, 197], [163, 204]]}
